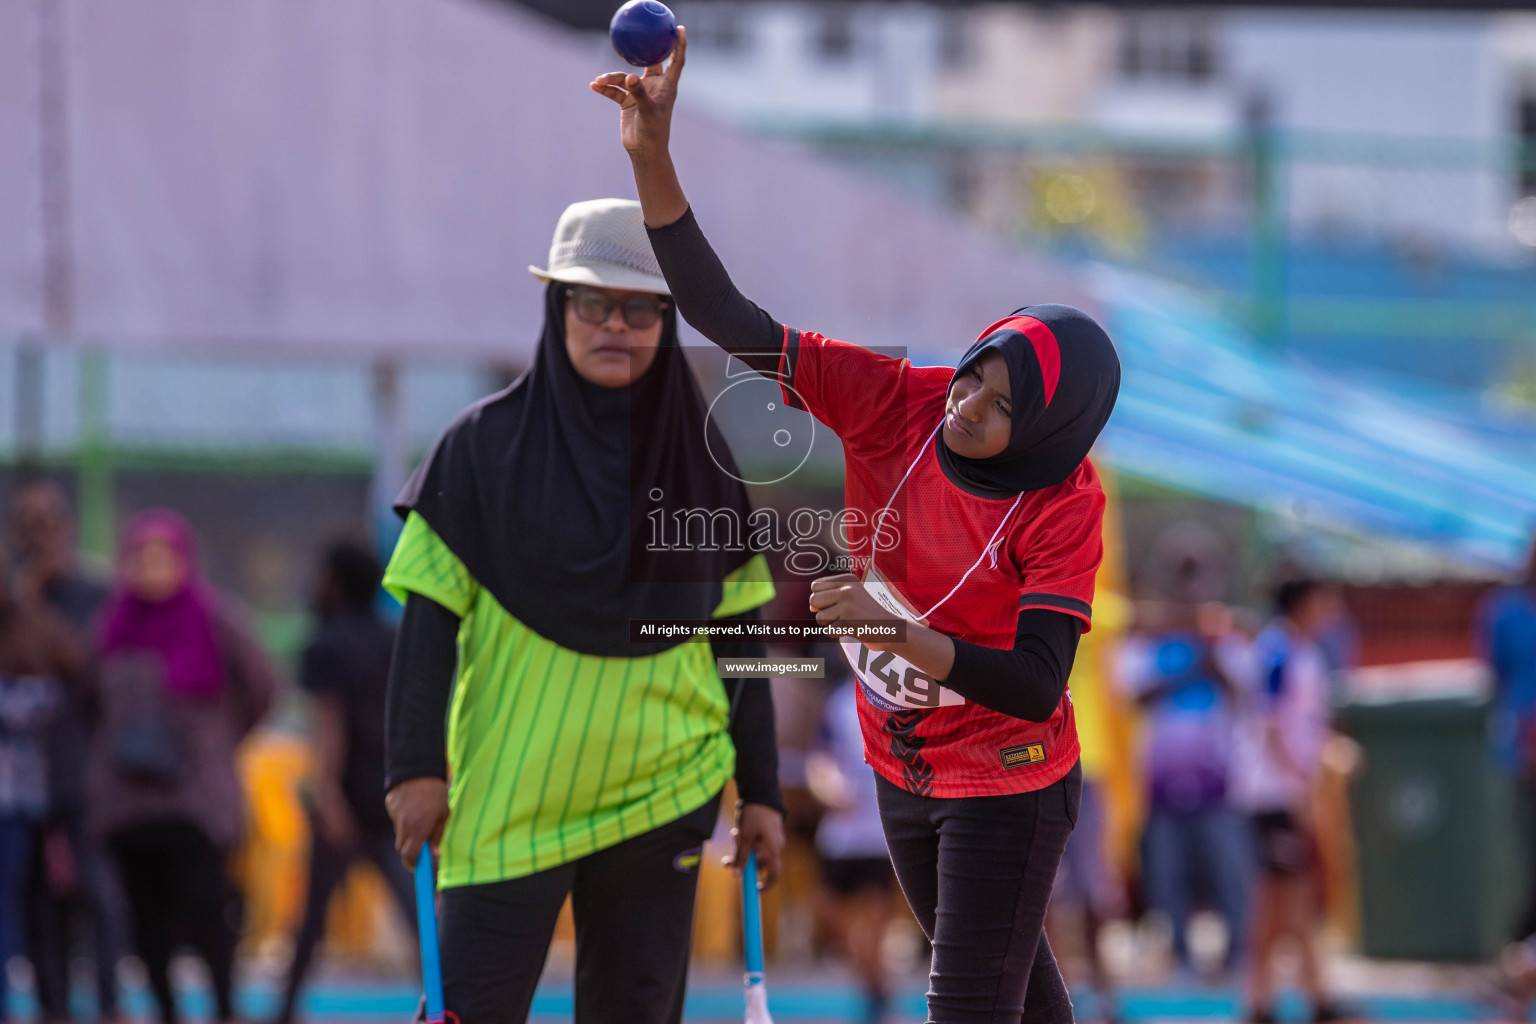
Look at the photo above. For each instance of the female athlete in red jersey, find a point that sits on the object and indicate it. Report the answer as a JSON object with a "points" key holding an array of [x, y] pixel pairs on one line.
{"points": [[974, 515]]}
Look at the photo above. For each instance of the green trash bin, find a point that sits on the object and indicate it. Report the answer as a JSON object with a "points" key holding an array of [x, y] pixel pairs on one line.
{"points": [[1438, 831]]}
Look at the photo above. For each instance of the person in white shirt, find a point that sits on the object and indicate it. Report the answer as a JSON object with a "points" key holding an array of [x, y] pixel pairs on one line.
{"points": [[1281, 727]]}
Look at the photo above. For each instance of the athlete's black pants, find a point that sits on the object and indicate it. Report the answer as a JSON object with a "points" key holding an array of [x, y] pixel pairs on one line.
{"points": [[978, 872], [633, 904]]}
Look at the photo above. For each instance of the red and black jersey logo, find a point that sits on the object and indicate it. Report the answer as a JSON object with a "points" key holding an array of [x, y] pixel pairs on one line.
{"points": [[907, 747]]}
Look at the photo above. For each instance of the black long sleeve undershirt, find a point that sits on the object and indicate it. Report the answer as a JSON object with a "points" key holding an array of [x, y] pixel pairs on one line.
{"points": [[752, 724], [421, 682], [1028, 680], [416, 700], [708, 299]]}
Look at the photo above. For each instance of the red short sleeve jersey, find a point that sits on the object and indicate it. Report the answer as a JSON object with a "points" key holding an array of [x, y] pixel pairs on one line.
{"points": [[970, 562]]}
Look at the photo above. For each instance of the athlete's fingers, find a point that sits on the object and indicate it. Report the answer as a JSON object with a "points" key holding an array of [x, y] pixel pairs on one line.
{"points": [[419, 809], [642, 92], [403, 842], [611, 85], [409, 845], [737, 856], [613, 80], [613, 92], [842, 579], [769, 865], [400, 845], [410, 848], [830, 589], [831, 598], [437, 836], [760, 829], [679, 56]]}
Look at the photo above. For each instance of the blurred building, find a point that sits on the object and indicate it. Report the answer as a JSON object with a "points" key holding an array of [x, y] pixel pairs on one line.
{"points": [[1360, 182], [1445, 93]]}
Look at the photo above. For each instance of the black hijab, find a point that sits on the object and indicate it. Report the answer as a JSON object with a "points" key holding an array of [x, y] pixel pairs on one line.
{"points": [[1065, 376], [542, 491]]}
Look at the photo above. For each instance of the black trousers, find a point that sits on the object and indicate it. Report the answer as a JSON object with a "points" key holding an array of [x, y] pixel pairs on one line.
{"points": [[178, 892], [56, 922], [633, 904], [977, 872], [328, 866]]}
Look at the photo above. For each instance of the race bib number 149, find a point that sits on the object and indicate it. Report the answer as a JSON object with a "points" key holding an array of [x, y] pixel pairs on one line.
{"points": [[889, 681]]}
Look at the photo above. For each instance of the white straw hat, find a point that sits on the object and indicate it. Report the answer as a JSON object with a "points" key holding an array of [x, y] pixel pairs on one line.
{"points": [[602, 242]]}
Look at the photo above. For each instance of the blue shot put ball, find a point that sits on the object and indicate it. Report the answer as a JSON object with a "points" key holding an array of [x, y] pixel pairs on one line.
{"points": [[643, 32]]}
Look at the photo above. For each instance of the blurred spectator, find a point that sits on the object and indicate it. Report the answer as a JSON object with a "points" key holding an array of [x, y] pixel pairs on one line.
{"points": [[47, 570], [1179, 668], [797, 710], [1339, 640], [1087, 886], [1282, 726], [856, 872], [797, 922], [1505, 637], [81, 888], [40, 660], [345, 669], [182, 681], [1084, 882]]}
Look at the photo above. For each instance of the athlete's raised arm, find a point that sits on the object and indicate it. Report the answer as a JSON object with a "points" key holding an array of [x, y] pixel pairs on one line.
{"points": [[645, 126], [702, 289]]}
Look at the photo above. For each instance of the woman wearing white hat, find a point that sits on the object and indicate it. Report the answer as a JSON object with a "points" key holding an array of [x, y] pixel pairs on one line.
{"points": [[577, 762]]}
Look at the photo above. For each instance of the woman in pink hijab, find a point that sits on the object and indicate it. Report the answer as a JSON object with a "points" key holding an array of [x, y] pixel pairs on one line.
{"points": [[182, 682]]}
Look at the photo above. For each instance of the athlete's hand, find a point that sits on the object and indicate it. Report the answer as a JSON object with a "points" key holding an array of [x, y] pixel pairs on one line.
{"points": [[419, 809], [645, 101], [842, 598], [761, 828]]}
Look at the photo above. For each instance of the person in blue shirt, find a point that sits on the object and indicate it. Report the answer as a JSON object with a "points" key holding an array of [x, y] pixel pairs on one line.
{"points": [[1178, 667], [1505, 633]]}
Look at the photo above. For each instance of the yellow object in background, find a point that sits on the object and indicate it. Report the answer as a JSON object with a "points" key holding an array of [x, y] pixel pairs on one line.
{"points": [[1105, 727], [272, 865], [273, 860]]}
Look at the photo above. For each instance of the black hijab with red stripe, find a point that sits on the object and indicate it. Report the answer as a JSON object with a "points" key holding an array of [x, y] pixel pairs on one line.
{"points": [[1065, 376]]}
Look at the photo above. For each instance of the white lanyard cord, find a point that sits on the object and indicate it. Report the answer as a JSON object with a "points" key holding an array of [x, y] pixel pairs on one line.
{"points": [[988, 546]]}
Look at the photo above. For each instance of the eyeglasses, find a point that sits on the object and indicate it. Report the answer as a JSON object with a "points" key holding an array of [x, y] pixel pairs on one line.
{"points": [[639, 311]]}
